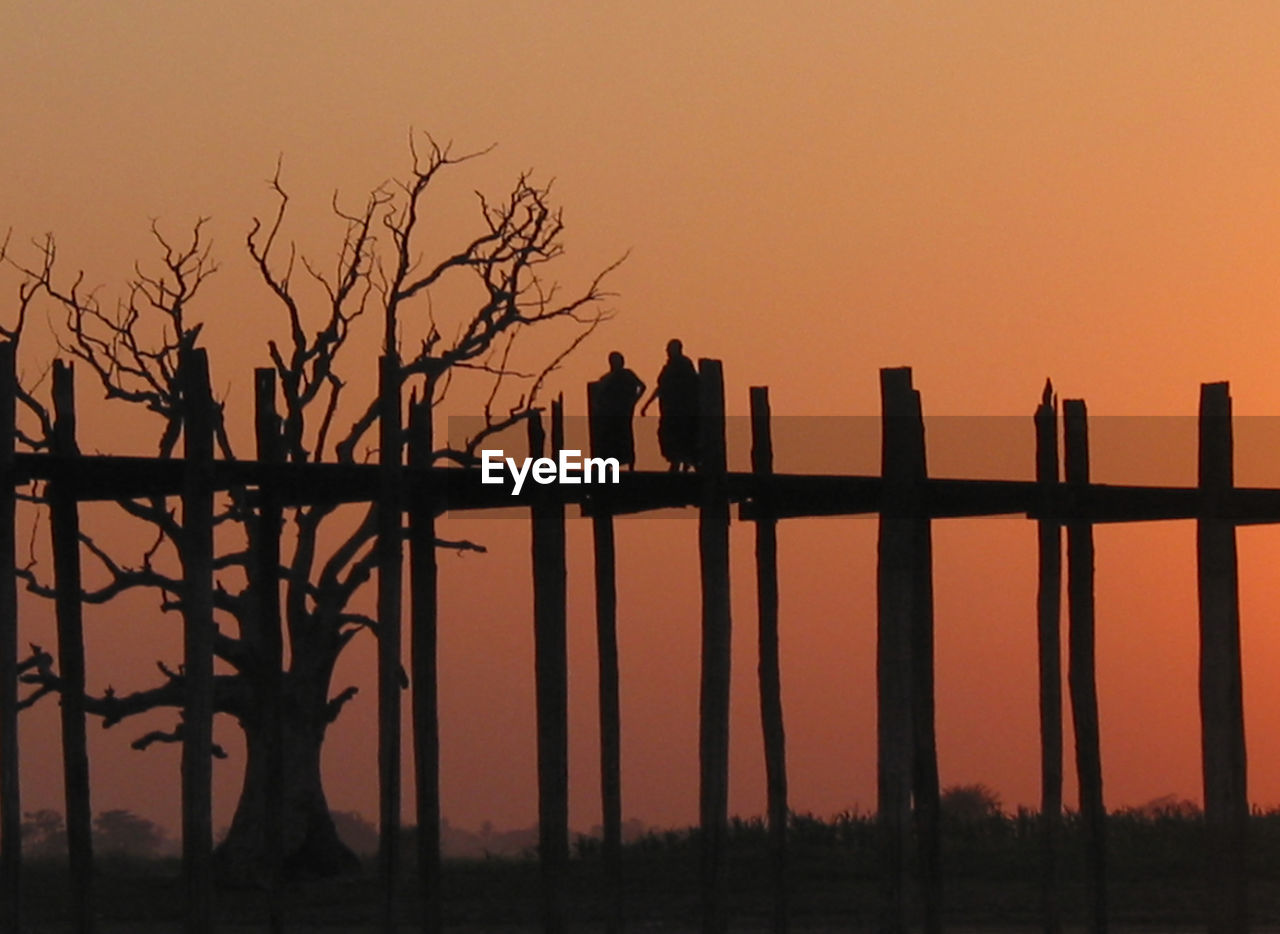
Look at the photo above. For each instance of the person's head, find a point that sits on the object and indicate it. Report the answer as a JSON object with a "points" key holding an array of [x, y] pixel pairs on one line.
{"points": [[616, 361], [674, 348]]}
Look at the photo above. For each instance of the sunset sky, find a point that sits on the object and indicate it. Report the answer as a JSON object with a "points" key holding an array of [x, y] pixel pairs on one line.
{"points": [[991, 193]]}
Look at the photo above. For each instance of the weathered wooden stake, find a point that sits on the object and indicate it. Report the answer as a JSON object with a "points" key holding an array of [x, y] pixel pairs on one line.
{"points": [[768, 668], [1081, 674], [424, 614], [1226, 801], [10, 799], [896, 575], [65, 530], [198, 629], [390, 581], [270, 636], [924, 767], [551, 682], [1049, 639], [713, 550], [607, 662]]}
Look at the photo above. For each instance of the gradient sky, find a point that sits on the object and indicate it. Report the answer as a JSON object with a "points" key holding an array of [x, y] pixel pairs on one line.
{"points": [[988, 192]]}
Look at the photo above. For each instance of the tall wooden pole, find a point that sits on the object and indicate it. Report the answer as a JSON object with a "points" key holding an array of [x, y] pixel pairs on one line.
{"points": [[10, 799], [424, 614], [713, 551], [390, 581], [896, 576], [607, 661], [551, 677], [1049, 639], [198, 628], [1226, 800], [1081, 674], [266, 594], [924, 765], [768, 667], [65, 529]]}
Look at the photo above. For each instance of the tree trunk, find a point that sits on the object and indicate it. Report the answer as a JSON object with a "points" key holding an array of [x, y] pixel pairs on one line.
{"points": [[309, 844]]}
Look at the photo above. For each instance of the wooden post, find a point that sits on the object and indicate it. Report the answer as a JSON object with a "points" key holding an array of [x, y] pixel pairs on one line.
{"points": [[198, 628], [1226, 801], [65, 530], [1081, 673], [551, 682], [424, 612], [1049, 639], [924, 766], [10, 800], [896, 574], [768, 668], [390, 582], [713, 551], [607, 661], [270, 636]]}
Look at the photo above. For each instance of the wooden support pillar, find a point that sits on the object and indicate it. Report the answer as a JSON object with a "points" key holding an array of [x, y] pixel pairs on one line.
{"points": [[269, 633], [1081, 673], [390, 581], [198, 629], [10, 799], [1049, 640], [1226, 801], [713, 550], [551, 677], [423, 615], [896, 575], [768, 668], [607, 661], [65, 531], [924, 766]]}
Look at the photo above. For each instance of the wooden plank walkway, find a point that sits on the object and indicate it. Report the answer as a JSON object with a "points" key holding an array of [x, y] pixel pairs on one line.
{"points": [[791, 496]]}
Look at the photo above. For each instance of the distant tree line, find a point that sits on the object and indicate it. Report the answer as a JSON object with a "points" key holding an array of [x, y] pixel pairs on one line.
{"points": [[965, 808], [116, 832]]}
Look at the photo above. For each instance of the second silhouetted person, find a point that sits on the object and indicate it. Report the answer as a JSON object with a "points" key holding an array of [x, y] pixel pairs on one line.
{"points": [[678, 401]]}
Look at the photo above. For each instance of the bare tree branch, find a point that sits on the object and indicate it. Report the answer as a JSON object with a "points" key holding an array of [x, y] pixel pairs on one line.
{"points": [[173, 736]]}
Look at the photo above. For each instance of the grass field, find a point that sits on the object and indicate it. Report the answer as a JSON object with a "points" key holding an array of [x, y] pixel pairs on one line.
{"points": [[991, 866]]}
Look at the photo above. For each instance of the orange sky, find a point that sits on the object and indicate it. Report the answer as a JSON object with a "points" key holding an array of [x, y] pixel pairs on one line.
{"points": [[989, 192]]}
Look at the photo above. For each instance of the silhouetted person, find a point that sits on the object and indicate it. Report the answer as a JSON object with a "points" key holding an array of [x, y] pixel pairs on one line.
{"points": [[615, 397], [677, 395]]}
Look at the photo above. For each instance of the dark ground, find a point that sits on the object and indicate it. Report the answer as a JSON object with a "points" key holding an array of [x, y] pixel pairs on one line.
{"points": [[992, 865]]}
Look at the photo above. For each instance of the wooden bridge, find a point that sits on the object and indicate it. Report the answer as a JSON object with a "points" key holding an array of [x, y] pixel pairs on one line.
{"points": [[905, 498]]}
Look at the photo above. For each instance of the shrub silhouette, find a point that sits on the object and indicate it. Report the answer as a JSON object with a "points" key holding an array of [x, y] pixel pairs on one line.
{"points": [[121, 832]]}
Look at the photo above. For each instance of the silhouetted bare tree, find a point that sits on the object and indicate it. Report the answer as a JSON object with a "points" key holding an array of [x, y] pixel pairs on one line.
{"points": [[132, 351]]}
